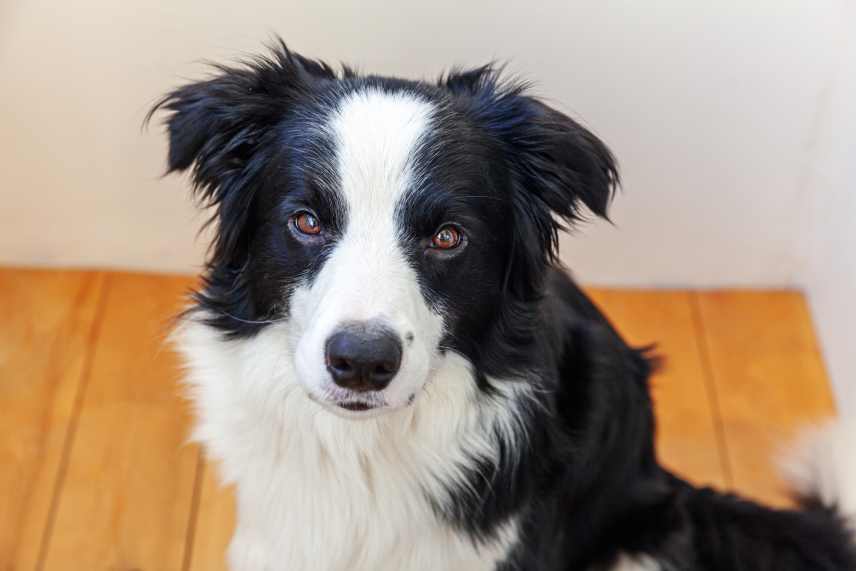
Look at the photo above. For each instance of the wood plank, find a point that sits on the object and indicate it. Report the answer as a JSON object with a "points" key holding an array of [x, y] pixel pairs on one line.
{"points": [[127, 495], [214, 524], [769, 379], [47, 321], [687, 440]]}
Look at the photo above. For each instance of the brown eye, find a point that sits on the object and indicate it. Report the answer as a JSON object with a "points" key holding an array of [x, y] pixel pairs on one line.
{"points": [[306, 223], [447, 238]]}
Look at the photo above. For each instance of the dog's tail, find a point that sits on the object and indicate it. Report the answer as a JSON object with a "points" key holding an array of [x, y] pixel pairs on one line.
{"points": [[822, 469], [736, 533]]}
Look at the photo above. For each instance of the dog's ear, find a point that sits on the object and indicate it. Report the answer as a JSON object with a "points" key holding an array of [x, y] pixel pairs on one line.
{"points": [[564, 163], [557, 166], [555, 160], [218, 125], [223, 117]]}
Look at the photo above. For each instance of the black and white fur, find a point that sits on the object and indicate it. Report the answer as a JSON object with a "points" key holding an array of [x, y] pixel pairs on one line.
{"points": [[518, 431]]}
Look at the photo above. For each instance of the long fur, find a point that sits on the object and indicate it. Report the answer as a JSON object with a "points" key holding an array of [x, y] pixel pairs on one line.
{"points": [[518, 431]]}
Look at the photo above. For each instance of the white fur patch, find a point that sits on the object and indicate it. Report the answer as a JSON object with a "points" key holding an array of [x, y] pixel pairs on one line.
{"points": [[367, 276], [318, 491], [823, 465]]}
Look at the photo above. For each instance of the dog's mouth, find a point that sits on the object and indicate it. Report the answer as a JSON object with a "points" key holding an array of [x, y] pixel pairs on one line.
{"points": [[352, 405], [356, 406]]}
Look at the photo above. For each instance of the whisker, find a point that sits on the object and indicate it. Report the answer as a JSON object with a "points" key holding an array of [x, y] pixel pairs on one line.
{"points": [[251, 321]]}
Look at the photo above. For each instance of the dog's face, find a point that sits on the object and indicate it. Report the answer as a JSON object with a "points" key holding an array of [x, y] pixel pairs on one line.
{"points": [[383, 223]]}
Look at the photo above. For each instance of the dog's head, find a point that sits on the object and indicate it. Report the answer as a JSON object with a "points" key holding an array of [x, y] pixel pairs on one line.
{"points": [[381, 222]]}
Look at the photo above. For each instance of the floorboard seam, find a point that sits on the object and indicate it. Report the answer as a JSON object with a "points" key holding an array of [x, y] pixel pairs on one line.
{"points": [[710, 385], [195, 502], [77, 407]]}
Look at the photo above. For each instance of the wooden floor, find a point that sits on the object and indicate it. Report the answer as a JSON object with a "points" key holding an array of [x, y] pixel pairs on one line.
{"points": [[95, 472]]}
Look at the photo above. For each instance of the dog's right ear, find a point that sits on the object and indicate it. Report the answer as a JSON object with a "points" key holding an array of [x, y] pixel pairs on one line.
{"points": [[217, 126], [223, 119]]}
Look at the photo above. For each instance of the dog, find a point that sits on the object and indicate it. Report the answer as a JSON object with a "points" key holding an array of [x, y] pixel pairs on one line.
{"points": [[393, 369]]}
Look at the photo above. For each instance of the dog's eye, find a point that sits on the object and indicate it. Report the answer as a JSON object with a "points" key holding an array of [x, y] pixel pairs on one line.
{"points": [[306, 223], [447, 238]]}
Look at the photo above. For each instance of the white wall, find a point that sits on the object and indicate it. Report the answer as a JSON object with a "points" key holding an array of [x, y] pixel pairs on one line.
{"points": [[724, 116], [709, 107], [829, 218]]}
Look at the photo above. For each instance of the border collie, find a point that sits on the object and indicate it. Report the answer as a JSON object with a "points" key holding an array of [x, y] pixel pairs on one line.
{"points": [[392, 368]]}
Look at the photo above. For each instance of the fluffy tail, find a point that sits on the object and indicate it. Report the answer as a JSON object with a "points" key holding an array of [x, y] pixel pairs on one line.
{"points": [[822, 469], [733, 533]]}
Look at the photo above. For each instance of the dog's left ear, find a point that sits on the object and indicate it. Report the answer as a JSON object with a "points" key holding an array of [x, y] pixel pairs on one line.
{"points": [[556, 160], [562, 162], [558, 167]]}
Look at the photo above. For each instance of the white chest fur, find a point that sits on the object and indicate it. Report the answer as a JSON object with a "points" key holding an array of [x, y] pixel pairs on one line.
{"points": [[320, 492]]}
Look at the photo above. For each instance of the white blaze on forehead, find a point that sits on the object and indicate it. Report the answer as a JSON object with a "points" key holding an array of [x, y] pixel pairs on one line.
{"points": [[377, 135], [367, 275]]}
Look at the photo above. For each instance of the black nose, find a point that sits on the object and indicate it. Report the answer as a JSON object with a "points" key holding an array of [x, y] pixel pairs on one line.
{"points": [[363, 358]]}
